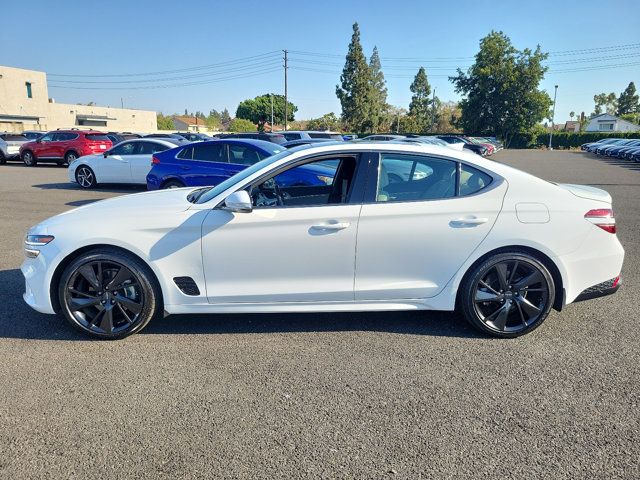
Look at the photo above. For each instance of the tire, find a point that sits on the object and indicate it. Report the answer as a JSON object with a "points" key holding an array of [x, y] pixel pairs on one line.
{"points": [[504, 301], [172, 184], [109, 294], [85, 177], [3, 159], [68, 158], [29, 159]]}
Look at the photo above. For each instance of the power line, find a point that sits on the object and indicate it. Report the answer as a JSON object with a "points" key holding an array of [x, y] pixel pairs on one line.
{"points": [[201, 67], [147, 87]]}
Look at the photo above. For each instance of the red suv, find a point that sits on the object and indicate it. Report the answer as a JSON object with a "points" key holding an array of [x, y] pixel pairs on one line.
{"points": [[64, 146]]}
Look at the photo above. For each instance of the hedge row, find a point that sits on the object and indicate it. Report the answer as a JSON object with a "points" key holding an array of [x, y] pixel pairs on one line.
{"points": [[565, 139]]}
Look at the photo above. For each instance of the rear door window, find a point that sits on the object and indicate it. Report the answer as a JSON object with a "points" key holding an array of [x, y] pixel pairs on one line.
{"points": [[97, 137], [209, 152], [243, 155]]}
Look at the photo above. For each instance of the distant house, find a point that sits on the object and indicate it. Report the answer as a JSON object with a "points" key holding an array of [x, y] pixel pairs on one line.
{"points": [[610, 123], [190, 124], [572, 126]]}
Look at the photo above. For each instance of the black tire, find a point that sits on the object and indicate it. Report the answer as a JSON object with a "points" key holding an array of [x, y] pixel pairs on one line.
{"points": [[29, 158], [118, 299], [504, 301], [68, 158], [172, 184], [3, 159], [85, 177]]}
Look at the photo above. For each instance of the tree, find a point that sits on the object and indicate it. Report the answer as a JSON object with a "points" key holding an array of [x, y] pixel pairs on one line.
{"points": [[258, 110], [447, 118], [164, 122], [377, 95], [501, 95], [572, 114], [355, 84], [225, 118], [606, 102], [329, 121], [241, 125], [420, 106], [628, 100]]}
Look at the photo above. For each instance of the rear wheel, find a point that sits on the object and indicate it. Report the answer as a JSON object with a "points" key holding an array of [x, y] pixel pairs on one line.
{"points": [[3, 159], [29, 159], [172, 184], [69, 158], [85, 177], [507, 295], [109, 294]]}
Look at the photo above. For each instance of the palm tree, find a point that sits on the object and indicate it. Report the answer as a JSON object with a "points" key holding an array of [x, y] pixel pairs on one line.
{"points": [[572, 114]]}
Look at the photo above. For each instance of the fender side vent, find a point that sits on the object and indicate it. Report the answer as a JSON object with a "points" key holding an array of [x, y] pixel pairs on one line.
{"points": [[187, 285]]}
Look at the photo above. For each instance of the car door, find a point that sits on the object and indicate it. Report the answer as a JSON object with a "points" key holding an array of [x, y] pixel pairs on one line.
{"points": [[44, 147], [140, 160], [62, 141], [115, 167], [207, 163], [422, 218], [300, 248]]}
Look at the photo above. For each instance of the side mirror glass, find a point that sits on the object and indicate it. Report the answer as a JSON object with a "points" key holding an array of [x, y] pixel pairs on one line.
{"points": [[239, 201]]}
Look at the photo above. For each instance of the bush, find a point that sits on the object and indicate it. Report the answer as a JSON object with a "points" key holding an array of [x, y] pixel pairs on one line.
{"points": [[241, 125], [565, 139]]}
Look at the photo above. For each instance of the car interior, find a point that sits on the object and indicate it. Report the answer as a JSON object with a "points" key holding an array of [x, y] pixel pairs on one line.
{"points": [[278, 191]]}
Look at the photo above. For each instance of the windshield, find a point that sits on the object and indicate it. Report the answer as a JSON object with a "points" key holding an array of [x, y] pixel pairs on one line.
{"points": [[238, 177]]}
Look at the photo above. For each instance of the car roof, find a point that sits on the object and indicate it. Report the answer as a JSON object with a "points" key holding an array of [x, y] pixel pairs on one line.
{"points": [[267, 146]]}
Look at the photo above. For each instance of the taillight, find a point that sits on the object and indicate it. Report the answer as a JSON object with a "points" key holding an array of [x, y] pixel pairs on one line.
{"points": [[155, 160], [603, 218]]}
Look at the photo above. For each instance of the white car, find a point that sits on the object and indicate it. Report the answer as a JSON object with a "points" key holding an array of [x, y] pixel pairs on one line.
{"points": [[126, 162], [499, 244]]}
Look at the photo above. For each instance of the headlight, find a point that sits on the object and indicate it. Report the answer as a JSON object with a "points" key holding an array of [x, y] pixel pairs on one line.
{"points": [[31, 242], [325, 179]]}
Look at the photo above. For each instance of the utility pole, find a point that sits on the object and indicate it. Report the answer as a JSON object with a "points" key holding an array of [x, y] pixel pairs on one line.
{"points": [[553, 116], [121, 102], [271, 95], [433, 111], [286, 100], [398, 122]]}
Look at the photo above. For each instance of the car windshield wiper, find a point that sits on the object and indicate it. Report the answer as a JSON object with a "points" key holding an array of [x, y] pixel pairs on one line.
{"points": [[196, 194]]}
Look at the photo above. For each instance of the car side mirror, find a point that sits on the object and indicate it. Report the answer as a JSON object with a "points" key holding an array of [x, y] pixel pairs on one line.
{"points": [[105, 154], [239, 201]]}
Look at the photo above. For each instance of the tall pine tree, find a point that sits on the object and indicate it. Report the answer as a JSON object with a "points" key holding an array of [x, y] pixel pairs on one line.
{"points": [[628, 100], [378, 94], [355, 85], [420, 106]]}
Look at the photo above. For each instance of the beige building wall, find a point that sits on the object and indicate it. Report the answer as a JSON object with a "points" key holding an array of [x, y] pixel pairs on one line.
{"points": [[18, 112]]}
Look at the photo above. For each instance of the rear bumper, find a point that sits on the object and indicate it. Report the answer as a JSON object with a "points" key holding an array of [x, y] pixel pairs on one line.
{"points": [[600, 290]]}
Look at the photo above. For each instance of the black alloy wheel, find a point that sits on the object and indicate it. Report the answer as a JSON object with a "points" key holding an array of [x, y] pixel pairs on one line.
{"points": [[508, 295], [108, 294]]}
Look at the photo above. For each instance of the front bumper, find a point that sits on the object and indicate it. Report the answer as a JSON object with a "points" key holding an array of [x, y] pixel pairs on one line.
{"points": [[37, 276]]}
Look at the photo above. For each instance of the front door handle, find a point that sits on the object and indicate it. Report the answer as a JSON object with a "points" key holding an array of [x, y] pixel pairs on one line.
{"points": [[331, 226], [185, 167], [468, 222]]}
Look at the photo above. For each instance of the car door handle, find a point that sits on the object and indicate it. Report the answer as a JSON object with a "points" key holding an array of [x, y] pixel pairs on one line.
{"points": [[468, 222], [185, 167], [331, 226]]}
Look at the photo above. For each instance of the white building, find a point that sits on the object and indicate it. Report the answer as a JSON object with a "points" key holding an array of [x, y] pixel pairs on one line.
{"points": [[606, 122], [25, 105]]}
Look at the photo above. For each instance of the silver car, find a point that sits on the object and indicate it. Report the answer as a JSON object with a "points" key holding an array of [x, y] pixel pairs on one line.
{"points": [[10, 146]]}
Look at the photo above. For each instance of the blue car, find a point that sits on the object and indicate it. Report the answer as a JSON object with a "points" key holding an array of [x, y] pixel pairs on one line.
{"points": [[210, 163]]}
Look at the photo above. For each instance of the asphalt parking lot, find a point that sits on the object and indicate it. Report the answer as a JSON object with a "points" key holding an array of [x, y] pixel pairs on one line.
{"points": [[399, 395]]}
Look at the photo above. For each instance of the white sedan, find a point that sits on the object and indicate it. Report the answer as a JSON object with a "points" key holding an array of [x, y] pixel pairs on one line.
{"points": [[127, 162], [502, 246]]}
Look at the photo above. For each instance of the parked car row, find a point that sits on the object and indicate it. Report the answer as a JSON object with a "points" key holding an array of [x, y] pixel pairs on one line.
{"points": [[622, 148], [481, 145]]}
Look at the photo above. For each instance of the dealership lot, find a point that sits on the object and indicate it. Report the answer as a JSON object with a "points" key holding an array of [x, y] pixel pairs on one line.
{"points": [[321, 395]]}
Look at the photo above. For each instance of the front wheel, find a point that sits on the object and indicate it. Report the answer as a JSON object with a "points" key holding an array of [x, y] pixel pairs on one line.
{"points": [[29, 159], [85, 177], [109, 294], [507, 295], [172, 184]]}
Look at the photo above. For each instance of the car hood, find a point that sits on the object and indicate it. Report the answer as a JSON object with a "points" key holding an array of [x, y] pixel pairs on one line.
{"points": [[126, 207], [585, 191]]}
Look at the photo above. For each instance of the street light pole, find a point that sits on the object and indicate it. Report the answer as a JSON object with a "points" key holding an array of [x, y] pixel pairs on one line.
{"points": [[553, 116], [271, 95]]}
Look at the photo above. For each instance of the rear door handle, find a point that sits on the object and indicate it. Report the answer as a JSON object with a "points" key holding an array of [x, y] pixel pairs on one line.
{"points": [[331, 226], [468, 222]]}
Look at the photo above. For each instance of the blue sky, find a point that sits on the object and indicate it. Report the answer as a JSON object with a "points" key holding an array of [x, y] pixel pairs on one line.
{"points": [[130, 37]]}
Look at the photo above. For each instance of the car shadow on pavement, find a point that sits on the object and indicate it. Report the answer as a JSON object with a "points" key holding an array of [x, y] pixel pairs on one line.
{"points": [[101, 188], [616, 161], [19, 321]]}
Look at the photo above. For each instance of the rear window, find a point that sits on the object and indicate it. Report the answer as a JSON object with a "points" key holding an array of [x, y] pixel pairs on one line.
{"points": [[277, 138], [9, 137], [97, 137], [332, 136]]}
